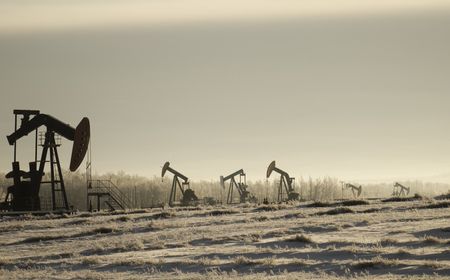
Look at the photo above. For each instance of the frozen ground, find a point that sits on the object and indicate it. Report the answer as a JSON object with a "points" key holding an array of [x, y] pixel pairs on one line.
{"points": [[382, 240]]}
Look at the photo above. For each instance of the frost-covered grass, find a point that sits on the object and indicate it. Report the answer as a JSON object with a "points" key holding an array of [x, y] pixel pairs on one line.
{"points": [[400, 240]]}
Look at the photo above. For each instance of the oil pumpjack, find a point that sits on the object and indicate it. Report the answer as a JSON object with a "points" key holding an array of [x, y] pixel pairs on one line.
{"points": [[24, 195], [241, 187], [356, 191], [400, 190], [188, 196], [286, 183]]}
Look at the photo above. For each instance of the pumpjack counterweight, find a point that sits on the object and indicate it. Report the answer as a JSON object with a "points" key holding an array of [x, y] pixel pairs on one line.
{"points": [[286, 190], [23, 195], [188, 196], [241, 186]]}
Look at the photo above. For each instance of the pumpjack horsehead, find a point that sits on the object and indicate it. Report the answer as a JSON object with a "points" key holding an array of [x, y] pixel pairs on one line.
{"points": [[24, 194]]}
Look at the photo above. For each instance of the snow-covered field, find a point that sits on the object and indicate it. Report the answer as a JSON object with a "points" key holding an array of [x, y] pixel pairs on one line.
{"points": [[383, 240]]}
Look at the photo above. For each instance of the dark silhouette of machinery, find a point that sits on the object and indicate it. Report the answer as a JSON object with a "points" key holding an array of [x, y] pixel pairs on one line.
{"points": [[356, 191], [188, 196], [104, 194], [400, 190], [241, 187], [23, 195], [286, 183]]}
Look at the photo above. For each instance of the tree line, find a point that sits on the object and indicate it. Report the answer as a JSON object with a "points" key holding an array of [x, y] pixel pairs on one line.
{"points": [[151, 192]]}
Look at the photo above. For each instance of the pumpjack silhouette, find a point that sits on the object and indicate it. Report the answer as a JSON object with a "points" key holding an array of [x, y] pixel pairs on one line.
{"points": [[24, 194]]}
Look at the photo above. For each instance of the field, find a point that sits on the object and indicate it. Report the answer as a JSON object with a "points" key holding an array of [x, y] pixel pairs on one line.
{"points": [[350, 239]]}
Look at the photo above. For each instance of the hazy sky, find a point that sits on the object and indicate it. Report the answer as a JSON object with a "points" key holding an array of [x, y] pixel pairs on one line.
{"points": [[359, 90]]}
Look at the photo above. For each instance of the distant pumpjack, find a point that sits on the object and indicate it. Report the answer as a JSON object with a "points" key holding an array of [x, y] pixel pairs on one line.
{"points": [[188, 195], [286, 183], [356, 191], [400, 190], [24, 195], [241, 187]]}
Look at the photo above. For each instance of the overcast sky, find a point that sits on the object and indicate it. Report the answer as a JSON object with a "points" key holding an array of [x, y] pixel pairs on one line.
{"points": [[359, 90]]}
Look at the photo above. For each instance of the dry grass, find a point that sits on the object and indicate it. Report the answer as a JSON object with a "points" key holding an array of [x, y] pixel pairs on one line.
{"points": [[271, 207], [432, 240], [95, 260], [122, 219], [164, 215], [388, 241], [403, 251], [190, 244], [208, 261], [242, 260], [140, 262], [433, 264], [5, 261], [376, 262], [260, 218], [254, 237]]}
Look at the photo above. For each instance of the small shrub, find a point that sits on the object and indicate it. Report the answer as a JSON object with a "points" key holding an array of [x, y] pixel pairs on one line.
{"points": [[300, 238], [103, 230], [445, 204], [402, 199], [447, 229], [260, 218], [336, 211], [354, 202], [319, 204], [204, 261], [371, 210], [432, 240], [254, 237], [222, 212], [298, 262], [77, 222], [91, 260], [403, 251], [374, 263], [137, 211], [443, 196], [267, 208], [242, 260], [164, 215], [130, 245], [268, 261], [123, 219], [388, 241], [85, 215], [434, 264], [4, 261], [35, 239]]}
